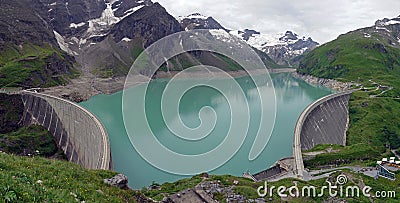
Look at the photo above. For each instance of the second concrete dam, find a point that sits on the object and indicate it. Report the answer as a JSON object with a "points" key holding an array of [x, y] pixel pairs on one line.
{"points": [[323, 122]]}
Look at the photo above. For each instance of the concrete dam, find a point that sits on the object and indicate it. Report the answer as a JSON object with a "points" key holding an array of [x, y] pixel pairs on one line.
{"points": [[323, 122], [77, 132]]}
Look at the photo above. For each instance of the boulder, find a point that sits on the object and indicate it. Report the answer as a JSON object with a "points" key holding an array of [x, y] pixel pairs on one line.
{"points": [[120, 181]]}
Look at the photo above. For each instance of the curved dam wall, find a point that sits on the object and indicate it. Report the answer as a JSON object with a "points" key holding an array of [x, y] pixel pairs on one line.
{"points": [[77, 132], [323, 122]]}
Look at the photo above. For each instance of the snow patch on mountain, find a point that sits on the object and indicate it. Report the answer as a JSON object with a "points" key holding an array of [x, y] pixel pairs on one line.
{"points": [[381, 28], [100, 26], [192, 16], [63, 45], [392, 22], [73, 25], [220, 34], [387, 22], [261, 40], [130, 11], [96, 26], [125, 39]]}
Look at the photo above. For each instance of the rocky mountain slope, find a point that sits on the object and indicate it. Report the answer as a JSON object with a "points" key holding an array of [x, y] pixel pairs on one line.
{"points": [[105, 36], [29, 53], [284, 49], [113, 52]]}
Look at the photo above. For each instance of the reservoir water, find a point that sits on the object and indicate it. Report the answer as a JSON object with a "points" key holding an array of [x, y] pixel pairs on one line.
{"points": [[292, 96]]}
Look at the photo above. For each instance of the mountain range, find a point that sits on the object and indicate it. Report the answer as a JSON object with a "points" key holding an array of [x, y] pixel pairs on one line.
{"points": [[283, 48], [47, 42]]}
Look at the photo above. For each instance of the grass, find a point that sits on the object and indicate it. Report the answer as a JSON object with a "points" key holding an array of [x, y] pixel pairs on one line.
{"points": [[103, 72], [136, 50], [36, 179], [346, 155], [322, 147], [11, 111], [25, 66], [167, 189], [32, 140]]}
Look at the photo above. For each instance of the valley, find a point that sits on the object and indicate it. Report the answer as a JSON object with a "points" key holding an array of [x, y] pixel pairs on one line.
{"points": [[82, 51]]}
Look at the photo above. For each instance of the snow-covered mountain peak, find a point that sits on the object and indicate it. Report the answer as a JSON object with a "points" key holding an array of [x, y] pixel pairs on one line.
{"points": [[386, 22], [192, 16], [289, 35], [281, 47], [198, 21], [261, 40]]}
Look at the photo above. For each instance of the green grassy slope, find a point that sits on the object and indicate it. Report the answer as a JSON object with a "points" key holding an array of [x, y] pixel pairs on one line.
{"points": [[353, 57], [32, 140], [31, 65], [36, 179]]}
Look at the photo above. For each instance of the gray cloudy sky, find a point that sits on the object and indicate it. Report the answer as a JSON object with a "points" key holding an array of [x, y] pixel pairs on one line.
{"points": [[323, 20]]}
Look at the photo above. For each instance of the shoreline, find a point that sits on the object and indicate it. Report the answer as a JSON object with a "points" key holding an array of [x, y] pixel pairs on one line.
{"points": [[328, 83], [83, 88], [202, 74]]}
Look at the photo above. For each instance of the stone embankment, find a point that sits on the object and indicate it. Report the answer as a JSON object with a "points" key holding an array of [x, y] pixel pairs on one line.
{"points": [[329, 83]]}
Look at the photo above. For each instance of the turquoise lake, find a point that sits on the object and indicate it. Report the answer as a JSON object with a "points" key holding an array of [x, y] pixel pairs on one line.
{"points": [[292, 96]]}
